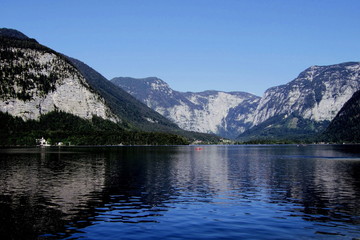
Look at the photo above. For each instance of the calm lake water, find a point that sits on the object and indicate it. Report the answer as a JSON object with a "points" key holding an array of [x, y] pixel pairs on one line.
{"points": [[181, 192]]}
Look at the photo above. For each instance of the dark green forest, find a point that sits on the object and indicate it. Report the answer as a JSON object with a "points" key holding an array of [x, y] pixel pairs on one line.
{"points": [[69, 129]]}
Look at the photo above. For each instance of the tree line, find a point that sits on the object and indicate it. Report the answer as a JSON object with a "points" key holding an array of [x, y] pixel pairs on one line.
{"points": [[68, 129]]}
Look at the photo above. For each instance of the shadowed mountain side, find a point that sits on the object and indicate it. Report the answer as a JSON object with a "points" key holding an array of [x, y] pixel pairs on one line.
{"points": [[345, 127], [284, 129], [133, 111], [123, 104]]}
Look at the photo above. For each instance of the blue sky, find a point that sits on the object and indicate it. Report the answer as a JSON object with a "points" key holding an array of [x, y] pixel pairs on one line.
{"points": [[195, 45]]}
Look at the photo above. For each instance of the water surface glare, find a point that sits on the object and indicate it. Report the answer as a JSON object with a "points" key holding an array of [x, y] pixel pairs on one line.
{"points": [[181, 192]]}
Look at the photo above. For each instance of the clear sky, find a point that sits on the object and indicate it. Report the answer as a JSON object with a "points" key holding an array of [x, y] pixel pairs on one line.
{"points": [[195, 45]]}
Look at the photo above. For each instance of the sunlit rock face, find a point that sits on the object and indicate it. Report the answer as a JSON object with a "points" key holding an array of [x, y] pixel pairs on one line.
{"points": [[318, 93], [224, 113], [36, 81]]}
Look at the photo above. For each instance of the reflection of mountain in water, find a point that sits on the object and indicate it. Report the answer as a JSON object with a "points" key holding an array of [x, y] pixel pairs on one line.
{"points": [[319, 181], [65, 191], [316, 181], [203, 172], [42, 189]]}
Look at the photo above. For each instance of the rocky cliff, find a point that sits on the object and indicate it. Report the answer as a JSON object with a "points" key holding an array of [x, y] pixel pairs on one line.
{"points": [[36, 80], [125, 105], [224, 113], [318, 93], [300, 108]]}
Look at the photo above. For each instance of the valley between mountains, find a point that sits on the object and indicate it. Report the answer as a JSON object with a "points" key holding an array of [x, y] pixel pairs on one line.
{"points": [[46, 93]]}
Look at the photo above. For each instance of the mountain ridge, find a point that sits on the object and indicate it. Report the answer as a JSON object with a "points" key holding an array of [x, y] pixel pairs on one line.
{"points": [[209, 111], [317, 93], [38, 81], [314, 97], [133, 111]]}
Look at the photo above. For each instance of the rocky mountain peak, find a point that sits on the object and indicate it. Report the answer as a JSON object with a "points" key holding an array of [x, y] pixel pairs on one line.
{"points": [[317, 93], [314, 97], [36, 80], [222, 113], [156, 83]]}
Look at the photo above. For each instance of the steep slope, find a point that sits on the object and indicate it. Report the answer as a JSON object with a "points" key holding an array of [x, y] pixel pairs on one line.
{"points": [[345, 127], [123, 104], [314, 98], [225, 114], [318, 93], [284, 129], [36, 80]]}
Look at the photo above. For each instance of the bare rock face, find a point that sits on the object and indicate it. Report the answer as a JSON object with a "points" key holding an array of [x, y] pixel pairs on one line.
{"points": [[223, 113], [315, 96], [37, 81], [318, 93]]}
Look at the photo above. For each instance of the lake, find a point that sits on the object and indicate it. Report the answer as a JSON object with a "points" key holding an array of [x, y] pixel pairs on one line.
{"points": [[181, 192]]}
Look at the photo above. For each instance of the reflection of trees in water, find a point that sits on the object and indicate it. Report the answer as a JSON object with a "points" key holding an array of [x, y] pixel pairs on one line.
{"points": [[278, 175], [140, 172], [43, 189], [52, 192], [314, 180], [321, 185]]}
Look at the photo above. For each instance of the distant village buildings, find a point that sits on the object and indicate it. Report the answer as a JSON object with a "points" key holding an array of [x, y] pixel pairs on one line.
{"points": [[42, 142]]}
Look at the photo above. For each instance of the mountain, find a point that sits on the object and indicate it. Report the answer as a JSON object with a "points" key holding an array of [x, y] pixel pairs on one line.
{"points": [[223, 113], [123, 104], [299, 109], [284, 129], [131, 110], [315, 97], [36, 80], [345, 127], [318, 93], [38, 84]]}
